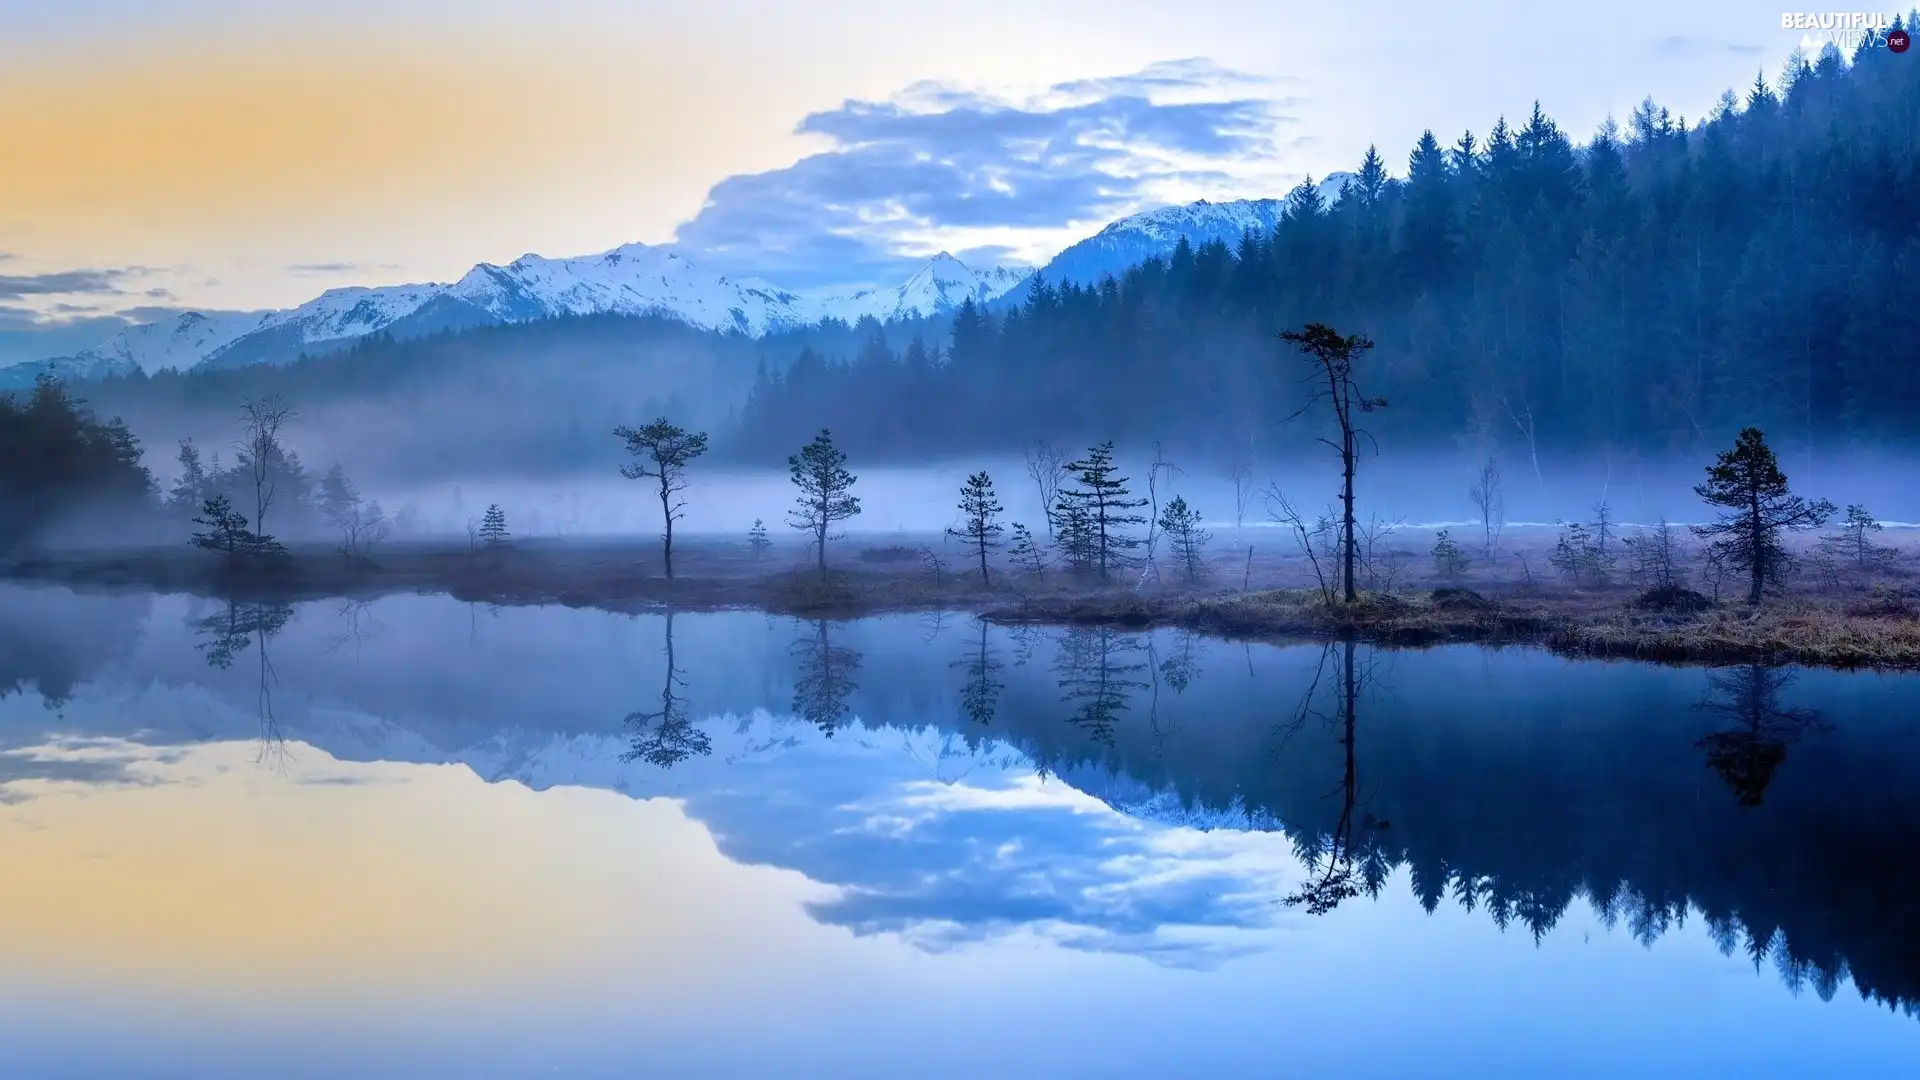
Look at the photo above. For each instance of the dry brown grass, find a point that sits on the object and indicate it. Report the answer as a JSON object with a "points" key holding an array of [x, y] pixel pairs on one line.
{"points": [[1871, 625]]}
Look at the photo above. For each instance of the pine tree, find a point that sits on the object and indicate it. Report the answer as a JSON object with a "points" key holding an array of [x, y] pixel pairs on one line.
{"points": [[493, 529], [757, 539], [1450, 560], [1073, 534], [225, 530], [1025, 553], [1181, 523], [1748, 483], [1573, 555], [980, 528], [661, 452], [190, 491], [338, 501], [819, 472], [1098, 502], [1855, 540]]}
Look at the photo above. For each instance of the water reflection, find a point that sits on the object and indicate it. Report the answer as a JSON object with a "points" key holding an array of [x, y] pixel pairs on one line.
{"points": [[666, 736], [1156, 795], [980, 694], [823, 678], [225, 634], [1330, 857], [1747, 754], [1099, 672]]}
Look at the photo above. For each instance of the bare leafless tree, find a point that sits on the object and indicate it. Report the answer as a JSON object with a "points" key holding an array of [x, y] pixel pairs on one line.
{"points": [[1047, 464], [1311, 538], [260, 422], [1161, 466], [1489, 497], [1239, 473], [1523, 423]]}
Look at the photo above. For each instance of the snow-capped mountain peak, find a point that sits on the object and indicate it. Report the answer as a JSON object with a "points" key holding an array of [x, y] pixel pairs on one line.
{"points": [[941, 285], [633, 279]]}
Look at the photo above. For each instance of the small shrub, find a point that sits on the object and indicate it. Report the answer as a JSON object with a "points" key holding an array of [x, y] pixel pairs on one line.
{"points": [[1672, 598]]}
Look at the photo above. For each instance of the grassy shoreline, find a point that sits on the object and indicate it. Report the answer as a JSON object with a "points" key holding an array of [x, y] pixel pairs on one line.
{"points": [[1825, 631]]}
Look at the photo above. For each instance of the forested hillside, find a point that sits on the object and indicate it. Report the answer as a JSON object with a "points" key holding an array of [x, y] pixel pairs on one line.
{"points": [[1656, 288]]}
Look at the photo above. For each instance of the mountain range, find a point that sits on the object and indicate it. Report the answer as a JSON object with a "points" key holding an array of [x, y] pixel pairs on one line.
{"points": [[635, 279]]}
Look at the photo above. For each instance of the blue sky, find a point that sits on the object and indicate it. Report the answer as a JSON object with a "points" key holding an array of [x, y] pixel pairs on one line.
{"points": [[204, 153]]}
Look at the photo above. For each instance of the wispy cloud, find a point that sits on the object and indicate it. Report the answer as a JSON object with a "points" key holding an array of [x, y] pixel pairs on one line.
{"points": [[1684, 45], [938, 164], [60, 283], [317, 269]]}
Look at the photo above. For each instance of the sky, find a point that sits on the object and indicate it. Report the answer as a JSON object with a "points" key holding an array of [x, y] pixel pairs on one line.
{"points": [[223, 155]]}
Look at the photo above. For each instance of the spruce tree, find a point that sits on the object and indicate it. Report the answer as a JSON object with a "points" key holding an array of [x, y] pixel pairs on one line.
{"points": [[980, 527], [819, 473], [225, 530], [757, 539], [190, 491], [1098, 501], [1449, 558], [1747, 483], [1025, 553], [1181, 523], [493, 529]]}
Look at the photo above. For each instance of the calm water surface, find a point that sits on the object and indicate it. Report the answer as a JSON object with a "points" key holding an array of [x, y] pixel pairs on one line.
{"points": [[417, 837]]}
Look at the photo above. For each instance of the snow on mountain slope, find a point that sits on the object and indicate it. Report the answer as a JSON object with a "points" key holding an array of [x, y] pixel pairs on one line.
{"points": [[177, 342], [631, 280], [940, 286], [1139, 237], [635, 279]]}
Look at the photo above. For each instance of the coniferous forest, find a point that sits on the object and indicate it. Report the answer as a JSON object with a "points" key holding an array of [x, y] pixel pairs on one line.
{"points": [[1656, 288]]}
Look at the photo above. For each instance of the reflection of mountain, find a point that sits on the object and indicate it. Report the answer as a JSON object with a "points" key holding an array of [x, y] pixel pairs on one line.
{"points": [[1514, 782]]}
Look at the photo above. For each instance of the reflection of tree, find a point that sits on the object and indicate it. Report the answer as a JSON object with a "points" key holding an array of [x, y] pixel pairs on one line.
{"points": [[1331, 874], [1098, 674], [359, 628], [666, 737], [981, 694], [1748, 753], [1177, 671], [227, 633], [824, 680]]}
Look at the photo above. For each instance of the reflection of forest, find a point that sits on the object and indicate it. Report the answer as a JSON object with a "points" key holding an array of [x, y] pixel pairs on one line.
{"points": [[1648, 810], [1514, 783]]}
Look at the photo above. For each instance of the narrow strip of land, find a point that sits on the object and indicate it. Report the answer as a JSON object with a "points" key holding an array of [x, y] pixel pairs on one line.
{"points": [[1878, 628]]}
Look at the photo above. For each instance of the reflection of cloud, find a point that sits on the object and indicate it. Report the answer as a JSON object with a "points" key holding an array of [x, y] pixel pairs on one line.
{"points": [[944, 161], [1002, 853], [76, 761]]}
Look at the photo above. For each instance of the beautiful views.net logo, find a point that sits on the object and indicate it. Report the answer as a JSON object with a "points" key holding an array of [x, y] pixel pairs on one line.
{"points": [[1847, 30]]}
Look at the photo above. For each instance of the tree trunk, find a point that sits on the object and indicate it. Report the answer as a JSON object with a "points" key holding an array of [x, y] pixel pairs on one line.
{"points": [[1758, 553], [983, 561], [1346, 497], [666, 514], [820, 544]]}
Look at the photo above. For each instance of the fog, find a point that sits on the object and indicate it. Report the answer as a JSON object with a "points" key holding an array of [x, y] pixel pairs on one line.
{"points": [[1426, 491]]}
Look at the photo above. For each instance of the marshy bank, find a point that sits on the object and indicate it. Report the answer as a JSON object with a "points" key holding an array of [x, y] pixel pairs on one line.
{"points": [[1819, 622]]}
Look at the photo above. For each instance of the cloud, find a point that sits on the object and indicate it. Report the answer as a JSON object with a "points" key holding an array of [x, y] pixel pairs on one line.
{"points": [[1683, 45], [60, 283], [324, 268], [945, 166]]}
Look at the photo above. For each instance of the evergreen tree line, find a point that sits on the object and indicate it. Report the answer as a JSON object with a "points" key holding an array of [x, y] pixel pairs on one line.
{"points": [[58, 458], [1660, 287]]}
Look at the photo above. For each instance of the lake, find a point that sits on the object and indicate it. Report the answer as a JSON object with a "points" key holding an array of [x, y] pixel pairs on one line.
{"points": [[418, 837]]}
